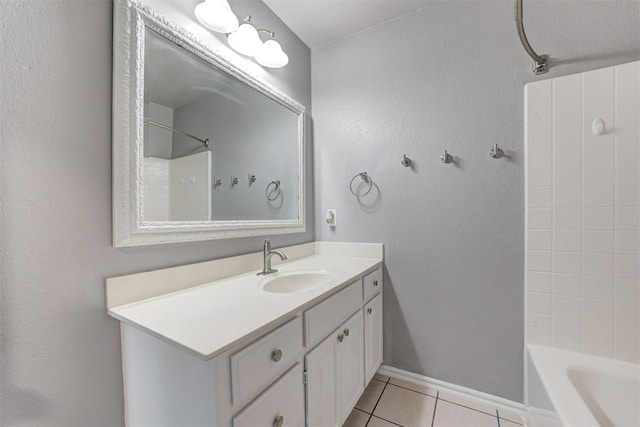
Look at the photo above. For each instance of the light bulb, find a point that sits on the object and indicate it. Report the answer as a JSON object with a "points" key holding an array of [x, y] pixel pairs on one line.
{"points": [[271, 55], [216, 15], [245, 40]]}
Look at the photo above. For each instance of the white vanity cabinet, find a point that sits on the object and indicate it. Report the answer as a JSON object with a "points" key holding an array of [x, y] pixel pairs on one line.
{"points": [[309, 369], [372, 337], [335, 374]]}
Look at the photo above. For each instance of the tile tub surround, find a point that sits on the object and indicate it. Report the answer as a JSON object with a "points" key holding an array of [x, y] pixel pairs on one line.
{"points": [[177, 317], [390, 401], [582, 210]]}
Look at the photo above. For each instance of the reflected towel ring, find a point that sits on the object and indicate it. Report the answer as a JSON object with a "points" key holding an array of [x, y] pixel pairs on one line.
{"points": [[365, 177], [276, 189]]}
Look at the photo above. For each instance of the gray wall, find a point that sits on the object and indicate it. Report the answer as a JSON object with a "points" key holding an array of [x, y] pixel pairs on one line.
{"points": [[60, 353], [256, 136], [449, 77]]}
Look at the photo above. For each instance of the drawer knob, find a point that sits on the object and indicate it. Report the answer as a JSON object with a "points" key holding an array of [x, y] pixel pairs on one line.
{"points": [[279, 421], [346, 332], [375, 283], [369, 310], [340, 337], [276, 355]]}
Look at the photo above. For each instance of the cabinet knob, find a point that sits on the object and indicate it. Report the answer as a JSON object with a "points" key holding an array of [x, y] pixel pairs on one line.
{"points": [[279, 421], [276, 355], [375, 283], [340, 337], [346, 332], [369, 310]]}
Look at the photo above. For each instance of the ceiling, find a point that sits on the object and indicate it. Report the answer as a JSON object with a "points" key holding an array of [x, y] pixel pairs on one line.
{"points": [[321, 22]]}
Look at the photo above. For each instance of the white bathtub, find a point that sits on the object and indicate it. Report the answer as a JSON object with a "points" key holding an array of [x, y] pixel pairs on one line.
{"points": [[587, 390]]}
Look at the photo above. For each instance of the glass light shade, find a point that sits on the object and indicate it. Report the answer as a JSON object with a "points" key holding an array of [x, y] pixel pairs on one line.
{"points": [[216, 15], [245, 40], [271, 55]]}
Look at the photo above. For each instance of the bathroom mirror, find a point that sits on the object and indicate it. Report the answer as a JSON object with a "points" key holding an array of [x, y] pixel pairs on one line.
{"points": [[202, 149]]}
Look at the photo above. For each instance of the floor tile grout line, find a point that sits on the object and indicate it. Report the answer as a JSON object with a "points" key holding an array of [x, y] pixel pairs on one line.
{"points": [[379, 397], [468, 407], [435, 407], [368, 419], [415, 391], [384, 419]]}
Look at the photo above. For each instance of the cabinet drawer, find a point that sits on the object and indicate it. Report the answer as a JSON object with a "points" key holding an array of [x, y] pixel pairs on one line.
{"points": [[284, 399], [329, 314], [258, 365], [372, 284]]}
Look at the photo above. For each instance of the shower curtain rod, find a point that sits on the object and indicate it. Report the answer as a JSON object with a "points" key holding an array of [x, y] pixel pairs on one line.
{"points": [[540, 64], [205, 142]]}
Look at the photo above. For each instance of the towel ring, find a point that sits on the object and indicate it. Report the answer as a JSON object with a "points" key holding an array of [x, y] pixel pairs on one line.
{"points": [[365, 177], [276, 189]]}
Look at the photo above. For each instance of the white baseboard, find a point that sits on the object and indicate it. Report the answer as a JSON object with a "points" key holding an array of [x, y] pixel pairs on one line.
{"points": [[496, 401]]}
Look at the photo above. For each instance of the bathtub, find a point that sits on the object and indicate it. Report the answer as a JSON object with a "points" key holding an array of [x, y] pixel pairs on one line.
{"points": [[585, 390]]}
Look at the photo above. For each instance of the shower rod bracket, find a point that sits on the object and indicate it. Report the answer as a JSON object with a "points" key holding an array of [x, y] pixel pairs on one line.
{"points": [[540, 62], [541, 67]]}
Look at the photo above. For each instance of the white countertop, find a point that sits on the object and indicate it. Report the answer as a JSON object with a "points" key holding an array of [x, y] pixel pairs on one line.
{"points": [[208, 319]]}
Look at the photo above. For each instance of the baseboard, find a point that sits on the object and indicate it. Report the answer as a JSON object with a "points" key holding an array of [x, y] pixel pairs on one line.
{"points": [[452, 388]]}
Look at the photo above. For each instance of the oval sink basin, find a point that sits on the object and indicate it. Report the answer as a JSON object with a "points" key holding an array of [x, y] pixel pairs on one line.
{"points": [[296, 281]]}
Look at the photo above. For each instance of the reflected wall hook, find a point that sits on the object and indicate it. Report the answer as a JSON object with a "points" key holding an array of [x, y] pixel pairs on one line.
{"points": [[446, 157], [217, 183], [496, 152], [405, 161], [234, 180]]}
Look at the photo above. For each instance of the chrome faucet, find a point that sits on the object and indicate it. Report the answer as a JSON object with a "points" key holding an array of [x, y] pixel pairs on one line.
{"points": [[267, 254]]}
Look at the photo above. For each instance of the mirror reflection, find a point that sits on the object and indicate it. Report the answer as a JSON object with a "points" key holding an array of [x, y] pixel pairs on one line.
{"points": [[214, 148]]}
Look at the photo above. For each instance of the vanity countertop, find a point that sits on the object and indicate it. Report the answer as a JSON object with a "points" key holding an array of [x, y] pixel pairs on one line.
{"points": [[208, 319]]}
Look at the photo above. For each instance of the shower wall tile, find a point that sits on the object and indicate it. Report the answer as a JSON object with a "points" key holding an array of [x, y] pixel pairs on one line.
{"points": [[582, 212], [541, 282], [566, 284], [598, 287], [541, 197]]}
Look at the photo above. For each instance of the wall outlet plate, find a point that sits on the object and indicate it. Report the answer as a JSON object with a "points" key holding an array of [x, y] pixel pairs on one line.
{"points": [[331, 218]]}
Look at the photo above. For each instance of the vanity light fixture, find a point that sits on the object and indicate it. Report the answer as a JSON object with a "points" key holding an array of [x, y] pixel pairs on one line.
{"points": [[271, 55], [246, 40], [216, 15]]}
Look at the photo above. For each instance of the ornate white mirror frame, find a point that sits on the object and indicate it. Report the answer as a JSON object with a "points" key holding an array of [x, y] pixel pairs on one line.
{"points": [[131, 19]]}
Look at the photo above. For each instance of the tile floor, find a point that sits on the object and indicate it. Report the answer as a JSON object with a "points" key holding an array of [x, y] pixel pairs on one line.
{"points": [[389, 402]]}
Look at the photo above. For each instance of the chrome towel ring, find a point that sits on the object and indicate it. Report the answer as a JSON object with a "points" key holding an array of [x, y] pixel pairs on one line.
{"points": [[273, 190], [365, 178]]}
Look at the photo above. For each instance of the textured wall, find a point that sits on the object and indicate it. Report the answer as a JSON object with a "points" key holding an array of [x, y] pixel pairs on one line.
{"points": [[60, 352], [448, 77]]}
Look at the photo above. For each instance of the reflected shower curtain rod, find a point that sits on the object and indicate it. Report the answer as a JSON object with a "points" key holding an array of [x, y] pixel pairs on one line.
{"points": [[205, 142], [540, 64]]}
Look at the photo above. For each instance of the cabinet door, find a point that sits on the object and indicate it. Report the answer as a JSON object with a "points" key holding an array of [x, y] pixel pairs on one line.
{"points": [[350, 364], [372, 337], [322, 386]]}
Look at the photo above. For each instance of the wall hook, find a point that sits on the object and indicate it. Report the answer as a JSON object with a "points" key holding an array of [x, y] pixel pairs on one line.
{"points": [[217, 183], [234, 180], [496, 152], [446, 157], [598, 126], [405, 161], [252, 178]]}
